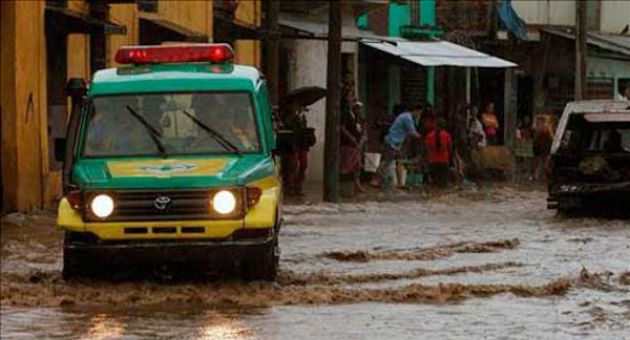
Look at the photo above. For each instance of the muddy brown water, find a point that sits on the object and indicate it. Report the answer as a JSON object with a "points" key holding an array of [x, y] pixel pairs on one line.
{"points": [[476, 264]]}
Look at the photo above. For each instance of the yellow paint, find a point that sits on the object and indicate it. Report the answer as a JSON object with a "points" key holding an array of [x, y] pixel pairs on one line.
{"points": [[115, 231], [247, 52], [262, 215], [78, 5], [23, 101], [127, 15], [68, 218], [195, 15], [248, 13], [167, 168]]}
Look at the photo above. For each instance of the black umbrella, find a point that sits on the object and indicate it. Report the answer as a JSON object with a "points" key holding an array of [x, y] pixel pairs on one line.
{"points": [[304, 96]]}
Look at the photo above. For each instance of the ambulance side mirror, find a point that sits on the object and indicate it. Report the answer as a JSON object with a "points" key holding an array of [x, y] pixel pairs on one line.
{"points": [[76, 88], [285, 141], [60, 149]]}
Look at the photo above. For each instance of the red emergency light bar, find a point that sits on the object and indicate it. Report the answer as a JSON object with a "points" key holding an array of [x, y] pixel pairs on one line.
{"points": [[192, 53]]}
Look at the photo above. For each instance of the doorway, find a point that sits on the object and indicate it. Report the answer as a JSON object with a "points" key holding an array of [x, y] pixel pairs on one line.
{"points": [[56, 75], [525, 98]]}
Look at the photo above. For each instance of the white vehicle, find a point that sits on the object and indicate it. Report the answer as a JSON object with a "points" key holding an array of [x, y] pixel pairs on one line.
{"points": [[590, 157]]}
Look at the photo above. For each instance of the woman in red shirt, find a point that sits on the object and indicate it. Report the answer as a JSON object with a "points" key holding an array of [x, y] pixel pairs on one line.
{"points": [[439, 148]]}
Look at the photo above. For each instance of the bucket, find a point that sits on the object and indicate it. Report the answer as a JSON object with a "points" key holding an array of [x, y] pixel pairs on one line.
{"points": [[372, 160]]}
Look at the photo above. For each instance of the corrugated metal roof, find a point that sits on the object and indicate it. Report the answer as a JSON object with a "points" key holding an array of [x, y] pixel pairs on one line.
{"points": [[426, 53], [619, 43], [440, 53]]}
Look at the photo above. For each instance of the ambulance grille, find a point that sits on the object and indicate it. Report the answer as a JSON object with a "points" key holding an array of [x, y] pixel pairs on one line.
{"points": [[166, 205]]}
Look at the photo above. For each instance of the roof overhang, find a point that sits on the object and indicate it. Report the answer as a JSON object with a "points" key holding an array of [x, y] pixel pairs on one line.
{"points": [[618, 43], [77, 22], [168, 30], [315, 6], [439, 53]]}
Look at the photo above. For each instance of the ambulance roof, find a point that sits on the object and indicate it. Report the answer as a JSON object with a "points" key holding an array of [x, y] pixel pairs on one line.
{"points": [[182, 77]]}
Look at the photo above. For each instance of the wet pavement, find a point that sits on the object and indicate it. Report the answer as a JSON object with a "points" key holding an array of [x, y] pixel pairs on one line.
{"points": [[491, 263]]}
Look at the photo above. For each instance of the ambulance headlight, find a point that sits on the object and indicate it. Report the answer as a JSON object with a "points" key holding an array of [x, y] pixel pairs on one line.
{"points": [[224, 202], [102, 205]]}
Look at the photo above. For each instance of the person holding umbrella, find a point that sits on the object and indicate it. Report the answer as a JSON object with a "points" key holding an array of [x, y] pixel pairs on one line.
{"points": [[293, 109]]}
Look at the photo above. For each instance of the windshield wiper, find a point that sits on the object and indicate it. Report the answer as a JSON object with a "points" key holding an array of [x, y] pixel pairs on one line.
{"points": [[153, 133], [217, 136]]}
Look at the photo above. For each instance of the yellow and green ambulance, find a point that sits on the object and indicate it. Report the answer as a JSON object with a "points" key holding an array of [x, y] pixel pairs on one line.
{"points": [[172, 157]]}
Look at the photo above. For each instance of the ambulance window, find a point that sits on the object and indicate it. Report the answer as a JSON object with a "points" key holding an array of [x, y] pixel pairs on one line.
{"points": [[171, 124]]}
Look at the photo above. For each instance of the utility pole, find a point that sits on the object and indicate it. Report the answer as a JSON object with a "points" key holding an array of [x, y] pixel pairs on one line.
{"points": [[273, 49], [580, 50], [333, 103]]}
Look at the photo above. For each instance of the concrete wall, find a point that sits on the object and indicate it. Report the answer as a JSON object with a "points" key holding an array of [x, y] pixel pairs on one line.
{"points": [[544, 12], [615, 15], [308, 63], [308, 68]]}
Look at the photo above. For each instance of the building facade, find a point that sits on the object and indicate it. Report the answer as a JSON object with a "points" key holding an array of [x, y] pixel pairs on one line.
{"points": [[45, 43], [544, 81]]}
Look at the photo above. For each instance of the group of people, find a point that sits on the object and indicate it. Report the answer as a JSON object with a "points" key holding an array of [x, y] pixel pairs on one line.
{"points": [[417, 134], [352, 139], [483, 129], [416, 138]]}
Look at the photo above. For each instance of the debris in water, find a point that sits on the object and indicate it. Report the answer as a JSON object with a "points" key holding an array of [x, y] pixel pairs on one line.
{"points": [[134, 294], [322, 278], [426, 254], [599, 281]]}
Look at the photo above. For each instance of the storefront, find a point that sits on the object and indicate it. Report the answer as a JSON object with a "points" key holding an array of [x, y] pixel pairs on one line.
{"points": [[456, 65]]}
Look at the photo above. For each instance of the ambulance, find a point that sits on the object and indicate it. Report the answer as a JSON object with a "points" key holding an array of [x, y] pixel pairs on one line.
{"points": [[172, 158]]}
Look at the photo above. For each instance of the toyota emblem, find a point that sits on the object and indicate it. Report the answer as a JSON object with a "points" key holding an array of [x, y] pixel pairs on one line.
{"points": [[162, 202]]}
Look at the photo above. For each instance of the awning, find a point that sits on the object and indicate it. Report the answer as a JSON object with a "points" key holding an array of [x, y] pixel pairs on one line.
{"points": [[165, 30], [439, 53], [77, 22]]}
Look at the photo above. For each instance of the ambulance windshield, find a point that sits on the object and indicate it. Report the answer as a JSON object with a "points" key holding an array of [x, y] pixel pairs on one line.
{"points": [[171, 124]]}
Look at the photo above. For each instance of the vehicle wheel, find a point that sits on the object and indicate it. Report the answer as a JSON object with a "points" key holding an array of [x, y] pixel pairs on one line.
{"points": [[263, 265]]}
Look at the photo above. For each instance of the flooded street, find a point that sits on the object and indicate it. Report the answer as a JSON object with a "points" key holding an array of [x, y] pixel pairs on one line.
{"points": [[489, 263]]}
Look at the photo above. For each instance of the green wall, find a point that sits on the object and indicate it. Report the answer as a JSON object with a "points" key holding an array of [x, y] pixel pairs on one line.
{"points": [[400, 15]]}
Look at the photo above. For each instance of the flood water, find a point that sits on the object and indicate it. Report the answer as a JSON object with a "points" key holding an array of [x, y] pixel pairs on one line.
{"points": [[490, 263]]}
